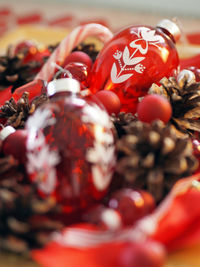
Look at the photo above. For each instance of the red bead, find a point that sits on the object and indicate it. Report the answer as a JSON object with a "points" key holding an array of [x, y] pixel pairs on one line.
{"points": [[153, 107], [104, 218], [15, 145], [143, 254], [110, 101], [132, 204], [80, 57], [131, 61], [76, 70], [34, 88], [196, 72]]}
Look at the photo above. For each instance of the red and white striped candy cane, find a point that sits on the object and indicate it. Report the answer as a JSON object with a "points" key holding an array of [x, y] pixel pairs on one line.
{"points": [[79, 34]]}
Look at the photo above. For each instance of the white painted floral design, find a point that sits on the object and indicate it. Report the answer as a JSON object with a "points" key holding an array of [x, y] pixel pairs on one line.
{"points": [[40, 119], [41, 161], [145, 38], [95, 114], [102, 154]]}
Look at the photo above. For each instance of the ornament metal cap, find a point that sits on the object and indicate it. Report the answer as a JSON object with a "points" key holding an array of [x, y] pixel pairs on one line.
{"points": [[63, 85], [5, 132], [171, 27]]}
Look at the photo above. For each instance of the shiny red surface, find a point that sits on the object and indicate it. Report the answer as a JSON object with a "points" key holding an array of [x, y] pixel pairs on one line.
{"points": [[159, 62], [71, 137]]}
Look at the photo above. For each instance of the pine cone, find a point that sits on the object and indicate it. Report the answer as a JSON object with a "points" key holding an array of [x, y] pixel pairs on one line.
{"points": [[8, 166], [152, 157], [184, 96], [24, 217], [17, 113], [120, 121], [14, 72]]}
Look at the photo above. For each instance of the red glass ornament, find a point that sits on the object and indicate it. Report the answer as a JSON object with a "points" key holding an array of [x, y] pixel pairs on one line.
{"points": [[31, 52], [14, 143], [70, 147], [76, 70], [24, 45], [34, 88], [132, 205], [153, 107], [110, 101], [80, 57], [135, 58], [34, 54]]}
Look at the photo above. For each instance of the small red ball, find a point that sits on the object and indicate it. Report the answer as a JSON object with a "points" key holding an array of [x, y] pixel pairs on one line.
{"points": [[15, 145], [105, 218], [196, 72], [78, 71], [80, 57], [153, 107], [132, 204], [110, 101]]}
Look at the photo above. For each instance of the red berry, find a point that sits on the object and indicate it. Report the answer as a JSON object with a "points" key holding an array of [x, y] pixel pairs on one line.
{"points": [[15, 145], [110, 101], [132, 205], [153, 107], [196, 72], [76, 70], [105, 218], [80, 57], [144, 254]]}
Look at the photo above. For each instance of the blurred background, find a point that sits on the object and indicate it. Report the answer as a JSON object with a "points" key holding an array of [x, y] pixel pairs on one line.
{"points": [[171, 7], [116, 14]]}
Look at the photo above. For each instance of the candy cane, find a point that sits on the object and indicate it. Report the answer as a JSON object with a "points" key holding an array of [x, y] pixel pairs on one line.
{"points": [[78, 35]]}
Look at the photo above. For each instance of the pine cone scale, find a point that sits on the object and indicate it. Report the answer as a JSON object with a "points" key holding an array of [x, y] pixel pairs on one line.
{"points": [[184, 96], [150, 164]]}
